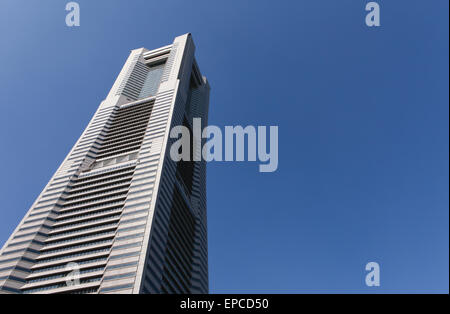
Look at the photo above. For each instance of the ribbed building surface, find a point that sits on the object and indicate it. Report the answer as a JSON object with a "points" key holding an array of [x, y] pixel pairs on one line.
{"points": [[119, 216]]}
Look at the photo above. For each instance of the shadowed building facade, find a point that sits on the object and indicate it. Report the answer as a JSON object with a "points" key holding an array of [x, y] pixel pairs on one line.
{"points": [[119, 215]]}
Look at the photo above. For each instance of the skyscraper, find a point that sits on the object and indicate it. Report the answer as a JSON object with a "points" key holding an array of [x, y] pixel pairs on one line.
{"points": [[119, 215]]}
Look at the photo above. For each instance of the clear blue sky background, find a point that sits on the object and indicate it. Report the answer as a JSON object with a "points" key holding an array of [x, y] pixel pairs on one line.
{"points": [[363, 128]]}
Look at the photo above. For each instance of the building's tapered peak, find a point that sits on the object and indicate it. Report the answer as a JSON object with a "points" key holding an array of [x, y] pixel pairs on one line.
{"points": [[145, 67]]}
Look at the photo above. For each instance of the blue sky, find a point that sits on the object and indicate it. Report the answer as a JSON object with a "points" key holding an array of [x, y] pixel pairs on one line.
{"points": [[362, 116]]}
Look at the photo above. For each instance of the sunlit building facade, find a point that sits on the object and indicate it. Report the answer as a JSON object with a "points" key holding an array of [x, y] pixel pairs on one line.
{"points": [[119, 215]]}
